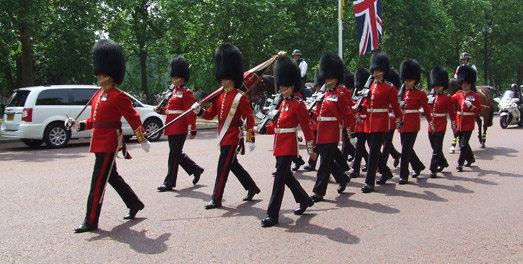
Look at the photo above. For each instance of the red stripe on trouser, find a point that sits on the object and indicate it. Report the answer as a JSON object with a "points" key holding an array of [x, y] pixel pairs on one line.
{"points": [[221, 180], [99, 182]]}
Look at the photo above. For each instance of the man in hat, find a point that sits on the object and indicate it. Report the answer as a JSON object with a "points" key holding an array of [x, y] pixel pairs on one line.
{"points": [[108, 106], [181, 99], [231, 107], [465, 60], [347, 147], [330, 114], [293, 112], [360, 152], [296, 54], [318, 83], [382, 94], [388, 147], [411, 102], [439, 105], [468, 105]]}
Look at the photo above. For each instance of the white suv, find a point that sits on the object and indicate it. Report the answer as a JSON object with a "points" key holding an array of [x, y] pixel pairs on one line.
{"points": [[37, 114]]}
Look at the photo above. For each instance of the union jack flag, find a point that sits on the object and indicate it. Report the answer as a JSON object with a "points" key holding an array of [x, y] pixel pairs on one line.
{"points": [[368, 20]]}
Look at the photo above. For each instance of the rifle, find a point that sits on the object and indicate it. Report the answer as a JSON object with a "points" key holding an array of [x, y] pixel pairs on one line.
{"points": [[315, 98], [401, 94], [272, 113], [363, 93], [166, 97]]}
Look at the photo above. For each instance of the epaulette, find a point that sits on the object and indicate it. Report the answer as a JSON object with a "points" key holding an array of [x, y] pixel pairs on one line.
{"points": [[297, 98], [389, 83], [241, 92]]}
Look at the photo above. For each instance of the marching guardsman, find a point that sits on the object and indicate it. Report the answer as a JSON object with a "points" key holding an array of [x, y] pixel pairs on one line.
{"points": [[318, 83], [439, 104], [382, 94], [293, 112], [468, 105], [180, 101], [347, 147], [360, 152], [330, 114], [231, 107], [388, 147], [412, 100], [108, 106]]}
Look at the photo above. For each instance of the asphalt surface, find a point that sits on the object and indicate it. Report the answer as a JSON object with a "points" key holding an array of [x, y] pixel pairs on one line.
{"points": [[475, 216]]}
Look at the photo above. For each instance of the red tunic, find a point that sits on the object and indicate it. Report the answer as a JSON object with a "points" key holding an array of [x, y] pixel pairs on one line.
{"points": [[442, 105], [349, 117], [382, 95], [107, 108], [181, 100], [465, 118], [221, 106], [330, 114], [414, 99], [293, 112]]}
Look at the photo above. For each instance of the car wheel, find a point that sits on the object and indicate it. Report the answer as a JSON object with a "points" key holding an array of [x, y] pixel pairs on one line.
{"points": [[153, 124], [56, 136], [33, 143]]}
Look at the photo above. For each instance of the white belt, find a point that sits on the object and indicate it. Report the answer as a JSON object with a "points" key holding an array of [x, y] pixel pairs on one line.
{"points": [[411, 111], [172, 112], [391, 115], [378, 110], [286, 130], [439, 114], [363, 116], [465, 113], [327, 118]]}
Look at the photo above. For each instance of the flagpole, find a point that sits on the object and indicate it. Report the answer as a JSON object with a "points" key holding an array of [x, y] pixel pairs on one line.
{"points": [[340, 28]]}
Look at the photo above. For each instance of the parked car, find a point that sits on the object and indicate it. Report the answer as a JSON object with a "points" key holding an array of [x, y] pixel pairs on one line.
{"points": [[37, 114]]}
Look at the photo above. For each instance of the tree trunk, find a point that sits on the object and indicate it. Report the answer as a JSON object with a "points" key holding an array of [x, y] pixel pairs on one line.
{"points": [[27, 54], [520, 75], [143, 71]]}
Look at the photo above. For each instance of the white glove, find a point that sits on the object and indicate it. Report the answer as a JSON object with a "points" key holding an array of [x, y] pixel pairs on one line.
{"points": [[146, 145], [353, 140], [196, 108], [469, 104], [432, 127], [251, 146], [71, 123]]}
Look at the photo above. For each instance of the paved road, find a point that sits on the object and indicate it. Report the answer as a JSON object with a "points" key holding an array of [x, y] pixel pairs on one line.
{"points": [[471, 217]]}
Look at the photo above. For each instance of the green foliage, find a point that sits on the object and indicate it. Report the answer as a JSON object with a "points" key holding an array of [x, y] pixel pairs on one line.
{"points": [[62, 33]]}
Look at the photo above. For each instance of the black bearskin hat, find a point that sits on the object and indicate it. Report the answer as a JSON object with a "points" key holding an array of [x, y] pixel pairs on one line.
{"points": [[179, 67], [229, 64], [362, 75], [331, 67], [379, 61], [348, 79], [108, 59], [317, 80], [394, 77], [466, 73], [439, 76], [410, 70], [287, 73]]}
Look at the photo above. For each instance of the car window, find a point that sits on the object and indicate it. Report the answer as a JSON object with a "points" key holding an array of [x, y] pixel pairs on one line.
{"points": [[18, 99], [82, 96], [53, 97]]}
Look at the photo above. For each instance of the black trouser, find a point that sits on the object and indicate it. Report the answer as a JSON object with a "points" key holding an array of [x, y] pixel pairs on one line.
{"points": [[388, 147], [466, 152], [102, 169], [376, 161], [228, 162], [177, 157], [361, 152], [347, 148], [408, 155], [328, 166], [282, 177], [438, 159], [312, 163]]}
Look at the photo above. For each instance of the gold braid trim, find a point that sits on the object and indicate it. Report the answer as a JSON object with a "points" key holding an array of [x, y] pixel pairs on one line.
{"points": [[139, 135], [249, 137], [310, 148]]}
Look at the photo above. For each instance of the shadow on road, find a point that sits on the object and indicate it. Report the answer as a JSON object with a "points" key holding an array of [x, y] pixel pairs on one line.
{"points": [[338, 234], [137, 240]]}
